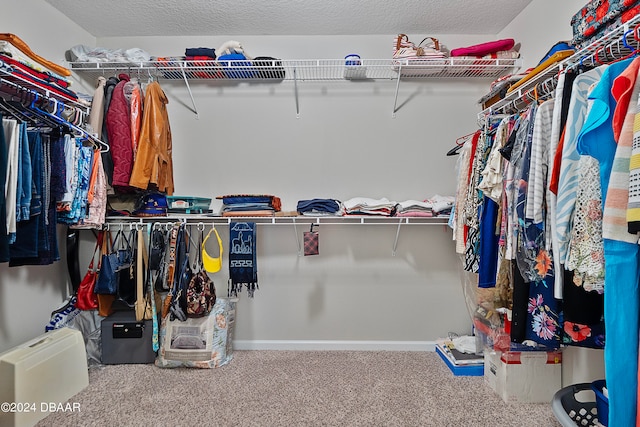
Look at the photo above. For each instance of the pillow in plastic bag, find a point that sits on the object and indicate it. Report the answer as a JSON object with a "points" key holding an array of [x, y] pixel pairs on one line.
{"points": [[202, 342]]}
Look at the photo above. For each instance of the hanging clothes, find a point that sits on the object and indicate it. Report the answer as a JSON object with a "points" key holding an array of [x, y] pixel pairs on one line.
{"points": [[4, 238], [465, 159], [133, 94], [12, 139], [96, 115], [119, 131], [154, 163], [568, 174]]}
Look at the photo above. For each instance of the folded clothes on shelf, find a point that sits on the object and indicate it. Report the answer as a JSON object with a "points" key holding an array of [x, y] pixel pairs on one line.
{"points": [[249, 204], [369, 206], [319, 207], [434, 206]]}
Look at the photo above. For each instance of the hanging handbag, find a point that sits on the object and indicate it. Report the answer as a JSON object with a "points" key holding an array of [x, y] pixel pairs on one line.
{"points": [[171, 270], [183, 274], [107, 282], [144, 307], [126, 280], [158, 244], [87, 298], [311, 242], [200, 292]]}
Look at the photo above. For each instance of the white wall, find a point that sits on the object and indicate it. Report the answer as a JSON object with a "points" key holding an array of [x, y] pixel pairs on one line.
{"points": [[542, 24], [29, 294], [344, 144]]}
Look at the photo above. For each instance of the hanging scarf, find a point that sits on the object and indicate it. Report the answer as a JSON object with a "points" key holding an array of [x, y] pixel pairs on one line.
{"points": [[242, 258]]}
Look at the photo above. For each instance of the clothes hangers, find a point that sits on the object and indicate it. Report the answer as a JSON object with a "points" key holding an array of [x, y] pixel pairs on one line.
{"points": [[11, 111], [97, 143], [460, 141]]}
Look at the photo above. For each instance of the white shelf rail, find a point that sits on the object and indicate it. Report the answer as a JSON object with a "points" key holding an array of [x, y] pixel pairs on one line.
{"points": [[298, 70], [202, 221], [305, 69]]}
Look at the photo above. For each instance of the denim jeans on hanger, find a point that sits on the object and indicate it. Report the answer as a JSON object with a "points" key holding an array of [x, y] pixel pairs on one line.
{"points": [[25, 177], [4, 239], [30, 233]]}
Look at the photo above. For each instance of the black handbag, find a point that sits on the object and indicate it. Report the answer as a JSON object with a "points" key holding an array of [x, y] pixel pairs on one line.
{"points": [[268, 68], [183, 276], [126, 280]]}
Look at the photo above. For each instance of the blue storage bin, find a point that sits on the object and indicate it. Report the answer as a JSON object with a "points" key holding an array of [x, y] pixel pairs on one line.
{"points": [[602, 402], [237, 66]]}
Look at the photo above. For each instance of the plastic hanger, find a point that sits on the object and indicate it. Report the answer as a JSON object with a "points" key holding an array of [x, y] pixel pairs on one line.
{"points": [[626, 44], [100, 145], [459, 144]]}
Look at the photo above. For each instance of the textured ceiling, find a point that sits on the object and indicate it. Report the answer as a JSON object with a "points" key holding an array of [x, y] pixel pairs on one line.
{"points": [[124, 18]]}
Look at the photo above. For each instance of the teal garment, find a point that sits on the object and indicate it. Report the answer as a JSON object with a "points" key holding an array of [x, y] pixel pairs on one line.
{"points": [[25, 177], [621, 307], [621, 298], [596, 138]]}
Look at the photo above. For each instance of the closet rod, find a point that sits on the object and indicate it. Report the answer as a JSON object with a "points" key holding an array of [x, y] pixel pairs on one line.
{"points": [[357, 220], [613, 45]]}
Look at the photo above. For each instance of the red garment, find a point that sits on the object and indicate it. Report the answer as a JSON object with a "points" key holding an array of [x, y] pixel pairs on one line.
{"points": [[474, 146], [136, 117], [557, 162], [621, 91], [119, 133]]}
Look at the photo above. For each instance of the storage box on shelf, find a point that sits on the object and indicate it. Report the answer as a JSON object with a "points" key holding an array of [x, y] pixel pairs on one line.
{"points": [[189, 204]]}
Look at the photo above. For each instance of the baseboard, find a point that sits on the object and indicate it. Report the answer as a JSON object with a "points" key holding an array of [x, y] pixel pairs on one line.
{"points": [[334, 345]]}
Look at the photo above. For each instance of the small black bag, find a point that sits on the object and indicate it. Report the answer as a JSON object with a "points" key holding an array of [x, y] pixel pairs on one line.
{"points": [[127, 271], [184, 273], [158, 246], [268, 68]]}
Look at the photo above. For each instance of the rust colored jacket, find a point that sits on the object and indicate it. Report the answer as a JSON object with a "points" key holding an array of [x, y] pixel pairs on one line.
{"points": [[153, 166]]}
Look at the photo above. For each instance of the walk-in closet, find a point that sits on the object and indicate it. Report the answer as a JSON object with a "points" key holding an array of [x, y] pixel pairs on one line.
{"points": [[236, 213]]}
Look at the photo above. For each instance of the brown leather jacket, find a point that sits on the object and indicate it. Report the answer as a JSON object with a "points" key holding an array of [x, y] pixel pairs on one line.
{"points": [[154, 165]]}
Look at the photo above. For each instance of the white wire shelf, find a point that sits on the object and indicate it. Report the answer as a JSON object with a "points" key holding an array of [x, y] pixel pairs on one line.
{"points": [[202, 221], [195, 219], [304, 69], [298, 70]]}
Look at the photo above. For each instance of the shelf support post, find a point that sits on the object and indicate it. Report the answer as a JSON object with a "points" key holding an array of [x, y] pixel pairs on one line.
{"points": [[186, 82], [395, 242], [295, 89], [395, 99], [295, 231]]}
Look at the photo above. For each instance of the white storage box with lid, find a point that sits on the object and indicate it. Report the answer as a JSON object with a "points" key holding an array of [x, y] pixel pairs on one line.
{"points": [[39, 376], [524, 377]]}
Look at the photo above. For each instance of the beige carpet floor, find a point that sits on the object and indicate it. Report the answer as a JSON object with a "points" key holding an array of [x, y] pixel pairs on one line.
{"points": [[297, 388]]}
